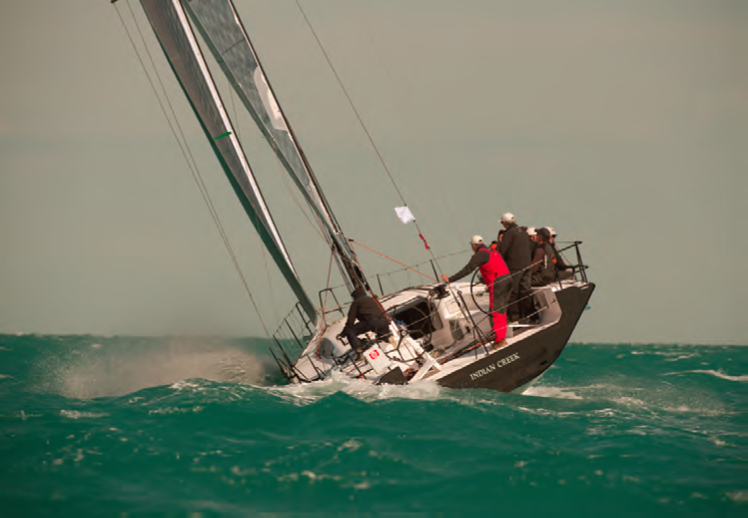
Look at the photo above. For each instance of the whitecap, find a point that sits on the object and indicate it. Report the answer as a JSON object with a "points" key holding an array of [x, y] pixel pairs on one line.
{"points": [[174, 410], [629, 401], [718, 374], [75, 414], [681, 357], [185, 384], [662, 353], [738, 496], [551, 392], [350, 445]]}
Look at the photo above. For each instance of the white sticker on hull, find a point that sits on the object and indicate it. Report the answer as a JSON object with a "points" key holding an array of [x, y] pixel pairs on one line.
{"points": [[377, 359]]}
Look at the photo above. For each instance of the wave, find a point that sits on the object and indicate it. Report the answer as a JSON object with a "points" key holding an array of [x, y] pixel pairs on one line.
{"points": [[718, 374], [76, 414], [551, 392], [119, 369], [302, 394], [640, 396]]}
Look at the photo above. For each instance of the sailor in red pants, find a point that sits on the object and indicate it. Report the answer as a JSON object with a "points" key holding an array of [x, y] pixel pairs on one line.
{"points": [[496, 276]]}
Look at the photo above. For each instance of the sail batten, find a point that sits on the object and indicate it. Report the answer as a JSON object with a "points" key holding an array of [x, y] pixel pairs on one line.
{"points": [[169, 22]]}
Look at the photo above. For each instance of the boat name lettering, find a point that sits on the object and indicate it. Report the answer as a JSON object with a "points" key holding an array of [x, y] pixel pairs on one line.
{"points": [[507, 360], [482, 372], [491, 367]]}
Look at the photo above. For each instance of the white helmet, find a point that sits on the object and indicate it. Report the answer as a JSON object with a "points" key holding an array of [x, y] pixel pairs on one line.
{"points": [[507, 217], [530, 231], [477, 240], [552, 231]]}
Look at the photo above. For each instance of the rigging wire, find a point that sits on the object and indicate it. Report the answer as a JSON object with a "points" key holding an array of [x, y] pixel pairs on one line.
{"points": [[393, 260], [185, 148], [403, 112], [292, 193], [366, 131]]}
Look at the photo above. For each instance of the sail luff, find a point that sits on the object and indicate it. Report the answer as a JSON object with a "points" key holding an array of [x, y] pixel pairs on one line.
{"points": [[182, 51], [220, 25]]}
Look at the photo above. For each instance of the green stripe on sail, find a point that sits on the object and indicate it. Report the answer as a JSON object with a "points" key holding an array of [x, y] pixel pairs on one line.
{"points": [[222, 135]]}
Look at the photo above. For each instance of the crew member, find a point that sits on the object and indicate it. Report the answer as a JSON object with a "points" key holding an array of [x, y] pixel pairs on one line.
{"points": [[514, 247], [531, 232], [495, 276], [563, 270], [370, 317], [543, 270]]}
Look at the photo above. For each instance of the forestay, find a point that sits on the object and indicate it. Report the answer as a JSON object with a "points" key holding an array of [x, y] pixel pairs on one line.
{"points": [[173, 31]]}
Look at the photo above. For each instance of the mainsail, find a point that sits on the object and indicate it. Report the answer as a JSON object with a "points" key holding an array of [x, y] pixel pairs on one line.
{"points": [[173, 31], [220, 26]]}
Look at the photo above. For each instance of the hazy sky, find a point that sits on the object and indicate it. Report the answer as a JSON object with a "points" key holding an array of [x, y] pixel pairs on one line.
{"points": [[621, 124]]}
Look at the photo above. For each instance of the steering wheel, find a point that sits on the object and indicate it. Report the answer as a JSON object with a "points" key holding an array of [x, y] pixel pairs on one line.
{"points": [[472, 295]]}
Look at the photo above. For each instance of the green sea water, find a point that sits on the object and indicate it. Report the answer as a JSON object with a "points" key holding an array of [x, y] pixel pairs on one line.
{"points": [[111, 425]]}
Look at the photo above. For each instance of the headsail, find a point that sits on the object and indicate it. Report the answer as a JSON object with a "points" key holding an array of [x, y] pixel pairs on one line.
{"points": [[173, 31], [219, 23]]}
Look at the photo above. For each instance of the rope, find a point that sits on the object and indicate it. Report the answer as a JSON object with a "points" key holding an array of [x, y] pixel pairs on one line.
{"points": [[393, 260], [192, 166], [366, 131]]}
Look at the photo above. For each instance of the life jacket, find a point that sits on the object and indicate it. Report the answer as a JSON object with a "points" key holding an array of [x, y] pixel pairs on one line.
{"points": [[494, 268]]}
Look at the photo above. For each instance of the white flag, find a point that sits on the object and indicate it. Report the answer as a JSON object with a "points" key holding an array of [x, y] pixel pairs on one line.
{"points": [[404, 214]]}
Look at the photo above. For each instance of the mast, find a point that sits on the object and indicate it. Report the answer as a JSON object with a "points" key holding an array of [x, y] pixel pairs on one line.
{"points": [[219, 24], [169, 22]]}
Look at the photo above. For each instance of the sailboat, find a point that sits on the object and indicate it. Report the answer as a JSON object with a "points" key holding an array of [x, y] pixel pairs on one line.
{"points": [[437, 332]]}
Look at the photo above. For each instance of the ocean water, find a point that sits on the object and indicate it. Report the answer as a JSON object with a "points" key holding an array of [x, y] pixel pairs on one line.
{"points": [[94, 425]]}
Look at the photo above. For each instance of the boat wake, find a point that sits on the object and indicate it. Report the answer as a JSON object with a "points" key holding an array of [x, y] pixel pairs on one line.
{"points": [[306, 393]]}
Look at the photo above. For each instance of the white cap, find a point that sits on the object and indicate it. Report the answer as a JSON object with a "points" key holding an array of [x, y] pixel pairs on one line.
{"points": [[507, 217], [552, 231], [477, 240], [530, 231]]}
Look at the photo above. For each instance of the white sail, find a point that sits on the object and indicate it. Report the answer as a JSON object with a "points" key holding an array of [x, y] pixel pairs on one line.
{"points": [[219, 23], [169, 22]]}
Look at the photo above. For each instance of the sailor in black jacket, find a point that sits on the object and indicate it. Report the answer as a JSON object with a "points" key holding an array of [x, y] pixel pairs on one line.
{"points": [[515, 244], [370, 318], [514, 247], [543, 269]]}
